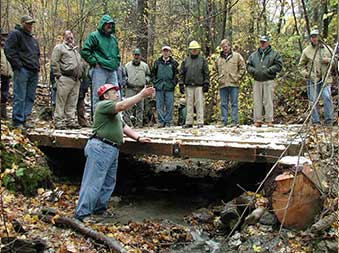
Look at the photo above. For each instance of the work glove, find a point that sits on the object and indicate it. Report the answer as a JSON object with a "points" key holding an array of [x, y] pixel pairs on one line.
{"points": [[182, 89], [205, 87]]}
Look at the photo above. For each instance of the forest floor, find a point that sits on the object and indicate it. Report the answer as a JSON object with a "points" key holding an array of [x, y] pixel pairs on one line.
{"points": [[157, 219]]}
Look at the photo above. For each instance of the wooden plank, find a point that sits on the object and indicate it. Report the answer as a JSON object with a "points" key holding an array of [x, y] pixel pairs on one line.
{"points": [[132, 147], [218, 152], [58, 141], [221, 150]]}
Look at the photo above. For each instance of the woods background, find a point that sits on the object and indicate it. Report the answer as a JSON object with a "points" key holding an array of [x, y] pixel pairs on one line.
{"points": [[150, 24]]}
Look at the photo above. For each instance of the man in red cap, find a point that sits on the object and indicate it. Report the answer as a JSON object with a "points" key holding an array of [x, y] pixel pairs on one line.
{"points": [[102, 149]]}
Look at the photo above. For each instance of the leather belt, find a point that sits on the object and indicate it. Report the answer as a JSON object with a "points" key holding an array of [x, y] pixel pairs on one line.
{"points": [[104, 140]]}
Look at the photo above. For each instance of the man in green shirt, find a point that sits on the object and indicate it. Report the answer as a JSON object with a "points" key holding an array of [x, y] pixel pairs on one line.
{"points": [[102, 149]]}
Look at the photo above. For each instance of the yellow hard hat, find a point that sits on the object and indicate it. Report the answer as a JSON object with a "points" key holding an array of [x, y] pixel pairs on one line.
{"points": [[194, 45]]}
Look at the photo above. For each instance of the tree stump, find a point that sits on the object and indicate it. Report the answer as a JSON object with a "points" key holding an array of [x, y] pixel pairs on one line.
{"points": [[305, 202]]}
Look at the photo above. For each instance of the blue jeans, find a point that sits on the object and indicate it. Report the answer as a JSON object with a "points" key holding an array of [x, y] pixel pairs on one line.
{"points": [[100, 77], [25, 83], [312, 93], [5, 88], [165, 100], [98, 181], [231, 93]]}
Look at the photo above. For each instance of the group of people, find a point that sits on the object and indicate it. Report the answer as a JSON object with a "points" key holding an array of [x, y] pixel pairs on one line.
{"points": [[99, 60]]}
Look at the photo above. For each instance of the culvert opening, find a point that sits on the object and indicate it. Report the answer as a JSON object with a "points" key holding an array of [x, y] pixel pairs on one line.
{"points": [[162, 187]]}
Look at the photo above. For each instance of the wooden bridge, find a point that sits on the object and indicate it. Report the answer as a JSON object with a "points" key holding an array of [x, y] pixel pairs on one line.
{"points": [[245, 143]]}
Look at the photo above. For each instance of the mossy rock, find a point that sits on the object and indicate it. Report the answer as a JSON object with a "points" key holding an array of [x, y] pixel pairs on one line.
{"points": [[24, 170]]}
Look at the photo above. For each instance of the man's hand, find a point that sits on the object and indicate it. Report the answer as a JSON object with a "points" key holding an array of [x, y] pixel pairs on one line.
{"points": [[325, 61], [144, 139], [182, 89], [147, 92], [205, 87]]}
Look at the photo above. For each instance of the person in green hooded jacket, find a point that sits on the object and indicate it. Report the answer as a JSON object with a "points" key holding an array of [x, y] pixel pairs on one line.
{"points": [[101, 52]]}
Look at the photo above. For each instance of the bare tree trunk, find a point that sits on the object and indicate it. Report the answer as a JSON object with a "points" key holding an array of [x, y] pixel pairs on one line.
{"points": [[326, 20], [281, 16], [151, 30], [81, 23], [296, 26], [252, 24], [264, 3], [224, 19], [7, 16], [208, 36], [229, 32], [142, 29], [68, 10], [306, 17], [44, 44], [316, 10]]}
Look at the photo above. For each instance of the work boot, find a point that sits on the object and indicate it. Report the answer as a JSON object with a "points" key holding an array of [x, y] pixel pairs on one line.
{"points": [[82, 121], [329, 123], [81, 113], [235, 125], [270, 124], [29, 123], [258, 124], [161, 125], [19, 126], [73, 125], [60, 125], [3, 111]]}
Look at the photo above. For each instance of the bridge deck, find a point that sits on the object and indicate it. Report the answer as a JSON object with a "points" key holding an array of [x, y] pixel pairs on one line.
{"points": [[245, 143]]}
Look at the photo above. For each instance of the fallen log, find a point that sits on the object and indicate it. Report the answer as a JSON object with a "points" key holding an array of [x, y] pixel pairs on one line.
{"points": [[110, 242], [298, 210], [324, 223], [13, 244]]}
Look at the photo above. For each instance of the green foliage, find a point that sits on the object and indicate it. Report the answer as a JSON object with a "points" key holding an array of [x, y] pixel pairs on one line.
{"points": [[23, 167]]}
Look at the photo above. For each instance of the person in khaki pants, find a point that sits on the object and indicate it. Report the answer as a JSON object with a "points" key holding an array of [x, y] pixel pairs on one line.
{"points": [[314, 62], [68, 69], [195, 80], [263, 65]]}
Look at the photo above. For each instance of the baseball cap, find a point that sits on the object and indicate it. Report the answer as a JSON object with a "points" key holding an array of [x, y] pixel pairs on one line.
{"points": [[166, 48], [27, 19], [314, 32], [264, 38], [137, 51]]}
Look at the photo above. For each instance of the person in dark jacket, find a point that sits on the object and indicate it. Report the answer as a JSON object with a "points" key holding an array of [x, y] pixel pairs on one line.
{"points": [[22, 51], [263, 65], [101, 52], [164, 78], [195, 80]]}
